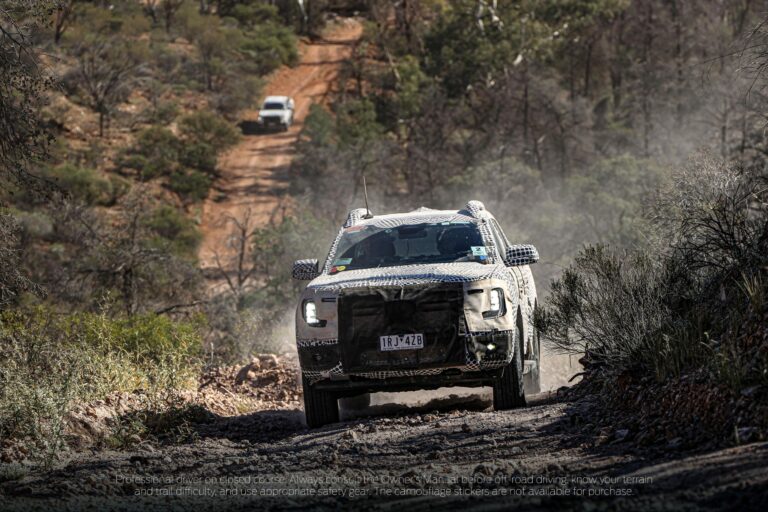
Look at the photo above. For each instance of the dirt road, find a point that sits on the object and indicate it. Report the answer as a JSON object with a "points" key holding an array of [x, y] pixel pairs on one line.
{"points": [[443, 455], [254, 173]]}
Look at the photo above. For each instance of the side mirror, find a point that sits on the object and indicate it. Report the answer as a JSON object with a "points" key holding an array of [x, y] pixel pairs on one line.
{"points": [[521, 254], [305, 270]]}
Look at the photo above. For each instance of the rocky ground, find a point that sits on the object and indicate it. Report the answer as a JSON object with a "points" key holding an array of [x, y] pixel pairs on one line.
{"points": [[445, 453]]}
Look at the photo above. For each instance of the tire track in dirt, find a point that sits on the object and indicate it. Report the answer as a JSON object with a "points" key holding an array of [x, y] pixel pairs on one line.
{"points": [[254, 174], [439, 456]]}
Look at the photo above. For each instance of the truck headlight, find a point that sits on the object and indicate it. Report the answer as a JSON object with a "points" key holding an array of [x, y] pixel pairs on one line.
{"points": [[498, 308], [310, 314]]}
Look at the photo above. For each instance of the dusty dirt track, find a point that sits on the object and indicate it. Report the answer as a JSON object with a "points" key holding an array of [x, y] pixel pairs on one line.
{"points": [[444, 455], [254, 173]]}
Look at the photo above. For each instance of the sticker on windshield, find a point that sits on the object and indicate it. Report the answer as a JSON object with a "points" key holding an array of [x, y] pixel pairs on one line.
{"points": [[343, 261], [340, 268], [479, 251]]}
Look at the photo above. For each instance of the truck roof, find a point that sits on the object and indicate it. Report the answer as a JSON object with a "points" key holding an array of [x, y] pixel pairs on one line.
{"points": [[278, 99], [473, 211]]}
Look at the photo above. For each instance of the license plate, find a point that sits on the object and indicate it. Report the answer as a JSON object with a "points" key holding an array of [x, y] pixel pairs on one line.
{"points": [[401, 342]]}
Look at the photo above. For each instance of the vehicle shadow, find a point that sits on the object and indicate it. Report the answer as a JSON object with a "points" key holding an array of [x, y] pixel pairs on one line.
{"points": [[419, 402], [249, 127]]}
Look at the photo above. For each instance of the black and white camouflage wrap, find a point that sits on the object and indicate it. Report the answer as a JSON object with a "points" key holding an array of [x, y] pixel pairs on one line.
{"points": [[521, 255], [305, 270], [517, 282]]}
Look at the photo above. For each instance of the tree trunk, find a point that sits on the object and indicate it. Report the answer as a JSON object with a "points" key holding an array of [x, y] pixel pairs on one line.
{"points": [[588, 68], [63, 13], [616, 67], [676, 20], [724, 130]]}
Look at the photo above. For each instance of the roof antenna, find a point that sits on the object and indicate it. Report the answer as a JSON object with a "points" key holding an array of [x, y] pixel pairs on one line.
{"points": [[367, 210]]}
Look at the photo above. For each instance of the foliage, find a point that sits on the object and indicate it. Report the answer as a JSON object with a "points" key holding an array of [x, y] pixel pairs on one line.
{"points": [[190, 184], [156, 153], [199, 155], [23, 85], [251, 315], [268, 46], [125, 263], [49, 362], [108, 59], [13, 282], [208, 128], [680, 302], [189, 160], [174, 227], [252, 42], [83, 185], [236, 95], [318, 126]]}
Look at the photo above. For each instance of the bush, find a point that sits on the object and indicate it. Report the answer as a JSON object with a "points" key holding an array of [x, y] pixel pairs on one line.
{"points": [[158, 153], [235, 94], [49, 361], [614, 306], [155, 153], [199, 155], [208, 128], [681, 301], [268, 47], [82, 184], [172, 226], [190, 185]]}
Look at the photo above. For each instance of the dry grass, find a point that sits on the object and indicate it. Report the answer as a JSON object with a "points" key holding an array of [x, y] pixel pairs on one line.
{"points": [[48, 363]]}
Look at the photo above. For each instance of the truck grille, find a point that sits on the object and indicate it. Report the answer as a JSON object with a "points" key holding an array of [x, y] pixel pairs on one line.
{"points": [[365, 315], [270, 120]]}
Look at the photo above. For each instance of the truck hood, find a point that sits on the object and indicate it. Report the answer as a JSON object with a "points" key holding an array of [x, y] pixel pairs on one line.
{"points": [[408, 275]]}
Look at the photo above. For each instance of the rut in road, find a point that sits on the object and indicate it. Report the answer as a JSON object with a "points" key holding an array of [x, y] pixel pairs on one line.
{"points": [[254, 173]]}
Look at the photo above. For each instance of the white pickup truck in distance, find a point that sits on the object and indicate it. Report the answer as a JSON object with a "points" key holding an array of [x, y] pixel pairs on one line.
{"points": [[276, 111]]}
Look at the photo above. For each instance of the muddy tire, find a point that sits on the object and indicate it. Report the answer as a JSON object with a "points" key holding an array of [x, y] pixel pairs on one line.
{"points": [[532, 379], [320, 407], [509, 390]]}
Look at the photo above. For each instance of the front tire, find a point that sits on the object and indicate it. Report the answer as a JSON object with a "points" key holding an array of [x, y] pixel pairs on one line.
{"points": [[320, 407], [508, 390], [532, 379]]}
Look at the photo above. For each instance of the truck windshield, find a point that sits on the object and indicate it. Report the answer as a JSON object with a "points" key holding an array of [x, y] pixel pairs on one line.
{"points": [[273, 106], [371, 246]]}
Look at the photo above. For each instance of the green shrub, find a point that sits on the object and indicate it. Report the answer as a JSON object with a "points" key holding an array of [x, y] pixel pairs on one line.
{"points": [[49, 361], [82, 184], [268, 46], [190, 185], [173, 226], [681, 301], [165, 112], [235, 94], [155, 153], [615, 306], [199, 155], [208, 128]]}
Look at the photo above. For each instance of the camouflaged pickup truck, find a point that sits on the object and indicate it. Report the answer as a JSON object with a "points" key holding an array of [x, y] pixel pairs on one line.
{"points": [[417, 300]]}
